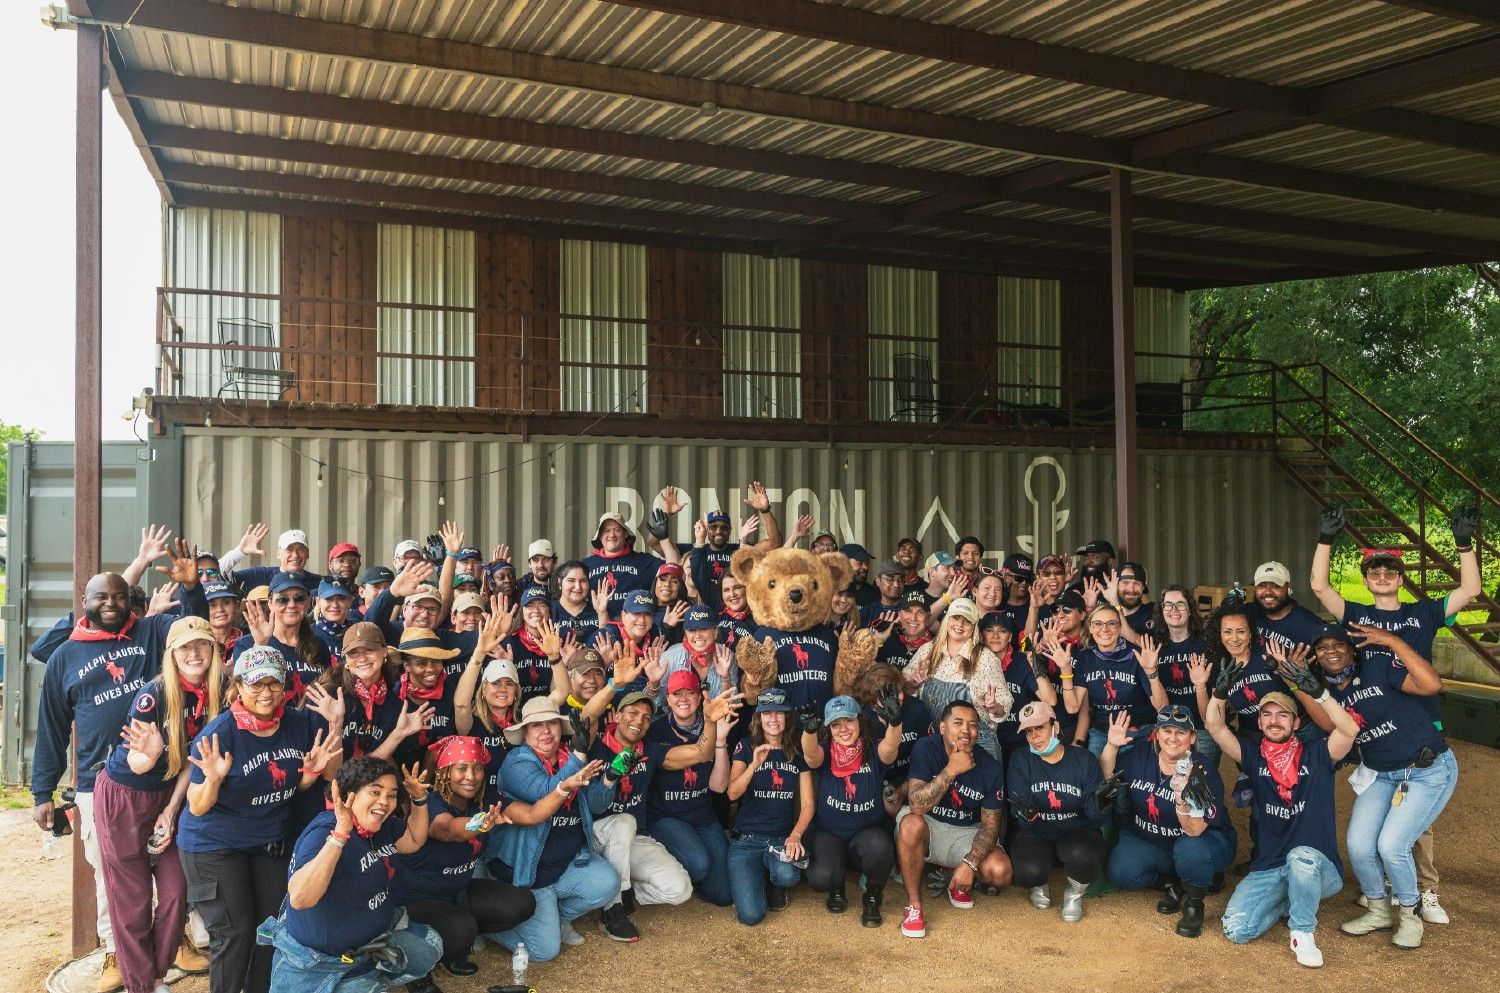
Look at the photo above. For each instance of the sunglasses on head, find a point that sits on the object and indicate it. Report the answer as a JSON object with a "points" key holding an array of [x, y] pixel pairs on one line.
{"points": [[282, 599], [1175, 712]]}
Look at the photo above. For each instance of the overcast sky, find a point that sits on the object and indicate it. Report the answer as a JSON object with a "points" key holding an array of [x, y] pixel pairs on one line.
{"points": [[37, 66]]}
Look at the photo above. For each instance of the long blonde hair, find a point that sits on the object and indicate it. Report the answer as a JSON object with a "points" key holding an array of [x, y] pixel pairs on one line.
{"points": [[968, 664], [482, 707], [171, 696]]}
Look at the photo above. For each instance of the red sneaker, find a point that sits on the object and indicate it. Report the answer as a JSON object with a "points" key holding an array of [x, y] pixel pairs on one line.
{"points": [[962, 900], [913, 925]]}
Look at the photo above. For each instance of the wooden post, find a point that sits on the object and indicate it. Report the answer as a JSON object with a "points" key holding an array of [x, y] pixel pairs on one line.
{"points": [[1122, 293]]}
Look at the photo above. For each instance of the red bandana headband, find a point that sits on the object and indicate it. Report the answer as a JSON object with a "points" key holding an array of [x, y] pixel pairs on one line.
{"points": [[459, 748]]}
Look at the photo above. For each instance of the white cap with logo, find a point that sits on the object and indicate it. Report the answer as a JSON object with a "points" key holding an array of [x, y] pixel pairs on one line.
{"points": [[1272, 572], [290, 538], [541, 547]]}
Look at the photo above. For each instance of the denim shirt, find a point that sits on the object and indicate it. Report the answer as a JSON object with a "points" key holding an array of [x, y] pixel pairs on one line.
{"points": [[523, 777]]}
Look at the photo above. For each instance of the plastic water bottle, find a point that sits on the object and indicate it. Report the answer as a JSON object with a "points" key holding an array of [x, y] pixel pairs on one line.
{"points": [[518, 963], [1180, 776]]}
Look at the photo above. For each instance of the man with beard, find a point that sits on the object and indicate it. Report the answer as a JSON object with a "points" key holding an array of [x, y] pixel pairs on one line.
{"points": [[1296, 833], [911, 631], [1098, 560], [708, 562], [1276, 615], [1127, 590], [616, 566], [88, 687], [864, 590], [1018, 573], [543, 560], [344, 561]]}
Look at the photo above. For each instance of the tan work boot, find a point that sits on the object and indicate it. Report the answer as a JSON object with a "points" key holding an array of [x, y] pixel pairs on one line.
{"points": [[109, 976], [1408, 927], [189, 959], [1376, 918]]}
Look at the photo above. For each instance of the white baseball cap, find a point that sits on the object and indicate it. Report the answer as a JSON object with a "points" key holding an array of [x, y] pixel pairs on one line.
{"points": [[1272, 572], [541, 547], [406, 546], [498, 669], [290, 538]]}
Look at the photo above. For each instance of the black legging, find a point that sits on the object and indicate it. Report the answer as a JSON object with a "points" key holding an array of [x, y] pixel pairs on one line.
{"points": [[871, 851], [492, 906], [1080, 852]]}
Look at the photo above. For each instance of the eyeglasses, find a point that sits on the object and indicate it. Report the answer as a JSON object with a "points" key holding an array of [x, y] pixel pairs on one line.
{"points": [[1175, 605], [282, 601], [1104, 624], [270, 687], [1382, 570]]}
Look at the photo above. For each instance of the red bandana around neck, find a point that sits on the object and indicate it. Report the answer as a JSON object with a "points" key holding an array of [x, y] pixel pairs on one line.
{"points": [[611, 741], [529, 640], [846, 759], [629, 547], [501, 718], [738, 615], [563, 754], [372, 695], [249, 722], [915, 643], [361, 831], [1283, 762], [411, 690], [200, 693], [84, 631]]}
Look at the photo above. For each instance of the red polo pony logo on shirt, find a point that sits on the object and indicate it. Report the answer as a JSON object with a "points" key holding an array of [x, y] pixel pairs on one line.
{"points": [[1359, 721], [626, 788], [955, 798], [850, 790], [1053, 801], [278, 775], [115, 672], [1109, 690], [1151, 808], [610, 582], [690, 779], [718, 569], [775, 779], [1250, 695], [800, 654], [1177, 672]]}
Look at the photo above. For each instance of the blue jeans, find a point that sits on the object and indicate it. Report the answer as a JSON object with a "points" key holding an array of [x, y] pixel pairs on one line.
{"points": [[1380, 836], [583, 886], [1137, 863], [1292, 890], [751, 863], [299, 969], [703, 852]]}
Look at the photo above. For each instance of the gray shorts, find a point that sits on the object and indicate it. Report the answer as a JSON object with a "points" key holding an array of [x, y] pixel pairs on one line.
{"points": [[947, 844]]}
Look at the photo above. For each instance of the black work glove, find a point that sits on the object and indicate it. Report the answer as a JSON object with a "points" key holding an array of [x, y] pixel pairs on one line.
{"points": [[1463, 524], [436, 550], [580, 726], [1330, 524], [1301, 677], [1229, 673], [811, 719], [888, 704], [1024, 809], [1106, 791], [1196, 793], [656, 524]]}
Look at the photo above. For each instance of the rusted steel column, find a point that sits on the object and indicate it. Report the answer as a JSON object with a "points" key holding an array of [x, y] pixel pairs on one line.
{"points": [[1122, 307]]}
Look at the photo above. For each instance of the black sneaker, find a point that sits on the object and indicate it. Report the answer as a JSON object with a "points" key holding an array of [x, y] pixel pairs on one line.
{"points": [[627, 900], [837, 902], [614, 923], [775, 898]]}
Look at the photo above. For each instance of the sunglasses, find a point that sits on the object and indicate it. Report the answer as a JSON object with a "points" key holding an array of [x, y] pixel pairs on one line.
{"points": [[1174, 712], [209, 574], [298, 599]]}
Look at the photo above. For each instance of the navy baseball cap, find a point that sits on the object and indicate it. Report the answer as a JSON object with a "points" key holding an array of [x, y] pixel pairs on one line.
{"points": [[915, 597], [469, 552], [218, 591], [998, 619], [1071, 599], [1334, 631], [288, 581], [639, 602], [717, 517], [698, 618], [1175, 716], [774, 698], [1133, 570], [533, 593], [856, 553], [1099, 545], [376, 574], [328, 588]]}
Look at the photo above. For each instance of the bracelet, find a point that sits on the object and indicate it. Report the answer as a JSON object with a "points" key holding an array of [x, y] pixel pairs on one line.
{"points": [[610, 682], [340, 836], [1462, 550], [1067, 676], [721, 747], [453, 555], [419, 803], [947, 599], [562, 792], [1325, 697], [971, 865], [331, 840], [1151, 674]]}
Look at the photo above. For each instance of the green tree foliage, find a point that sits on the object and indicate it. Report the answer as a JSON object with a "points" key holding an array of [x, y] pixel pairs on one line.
{"points": [[8, 434]]}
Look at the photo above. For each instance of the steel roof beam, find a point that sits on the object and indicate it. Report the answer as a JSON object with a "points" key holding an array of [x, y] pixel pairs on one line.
{"points": [[1481, 12]]}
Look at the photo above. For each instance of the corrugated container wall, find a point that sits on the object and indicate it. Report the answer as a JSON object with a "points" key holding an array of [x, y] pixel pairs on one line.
{"points": [[225, 250], [140, 484], [1208, 517]]}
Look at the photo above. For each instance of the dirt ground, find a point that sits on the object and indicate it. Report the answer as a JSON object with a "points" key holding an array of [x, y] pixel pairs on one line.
{"points": [[1121, 944]]}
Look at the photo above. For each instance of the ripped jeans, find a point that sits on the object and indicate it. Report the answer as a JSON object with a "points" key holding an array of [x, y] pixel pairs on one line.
{"points": [[1292, 890]]}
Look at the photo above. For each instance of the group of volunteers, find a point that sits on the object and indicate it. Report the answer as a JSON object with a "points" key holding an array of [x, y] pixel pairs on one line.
{"points": [[340, 780]]}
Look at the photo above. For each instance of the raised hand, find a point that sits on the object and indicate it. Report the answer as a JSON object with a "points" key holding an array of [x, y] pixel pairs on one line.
{"points": [[411, 721], [673, 615], [1362, 635], [811, 719], [343, 814], [214, 764], [1092, 591], [1330, 524], [599, 597], [144, 738], [723, 706], [549, 639], [700, 532], [1463, 524], [579, 725], [758, 500], [1197, 794], [582, 777], [435, 550], [669, 503], [453, 538], [655, 668], [1108, 789], [1199, 671], [501, 553], [250, 542], [416, 781], [1119, 729], [495, 627], [1112, 586], [410, 577], [1229, 674], [1024, 809], [325, 748], [723, 659], [1060, 653], [629, 663], [802, 528], [570, 646], [1301, 677], [257, 617], [759, 756], [888, 704], [328, 706], [749, 528], [184, 568], [154, 542], [958, 586], [622, 765], [162, 600], [1149, 653]]}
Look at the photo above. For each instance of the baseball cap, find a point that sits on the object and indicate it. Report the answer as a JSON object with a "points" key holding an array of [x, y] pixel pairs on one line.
{"points": [[773, 699], [342, 548], [498, 669], [292, 537], [633, 698], [467, 601], [469, 552], [1018, 565], [1051, 560], [205, 554], [639, 602], [1133, 570], [376, 574], [1381, 556], [288, 581], [914, 597], [1070, 599], [1099, 545], [683, 679], [1034, 715], [604, 519], [856, 552], [669, 569], [1282, 700], [364, 635], [218, 591], [1272, 572], [405, 547], [188, 629], [533, 593], [822, 533], [964, 608], [541, 547], [261, 592], [259, 661], [1175, 716], [1334, 631], [998, 618], [717, 517], [328, 588], [698, 618], [585, 659], [909, 541], [944, 558], [426, 591], [464, 579], [840, 707], [890, 567]]}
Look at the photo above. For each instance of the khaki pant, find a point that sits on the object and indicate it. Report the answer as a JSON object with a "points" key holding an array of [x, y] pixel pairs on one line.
{"points": [[1421, 852], [89, 835], [645, 867]]}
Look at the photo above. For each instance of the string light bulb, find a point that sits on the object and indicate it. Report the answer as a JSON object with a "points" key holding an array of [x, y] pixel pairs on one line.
{"points": [[208, 419], [551, 466], [442, 495], [320, 474]]}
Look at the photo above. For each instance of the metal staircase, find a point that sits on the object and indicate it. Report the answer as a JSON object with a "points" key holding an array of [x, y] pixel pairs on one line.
{"points": [[1398, 492]]}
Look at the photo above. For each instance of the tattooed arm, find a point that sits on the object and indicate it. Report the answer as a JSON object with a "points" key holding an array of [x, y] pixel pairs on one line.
{"points": [[922, 797], [987, 835]]}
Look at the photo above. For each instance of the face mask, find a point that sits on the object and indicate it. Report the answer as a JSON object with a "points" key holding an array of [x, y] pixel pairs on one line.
{"points": [[1052, 745]]}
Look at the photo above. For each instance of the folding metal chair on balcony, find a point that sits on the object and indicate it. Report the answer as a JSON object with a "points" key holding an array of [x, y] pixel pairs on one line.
{"points": [[252, 374], [915, 389]]}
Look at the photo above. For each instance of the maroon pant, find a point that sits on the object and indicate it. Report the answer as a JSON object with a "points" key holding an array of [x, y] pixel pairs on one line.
{"points": [[125, 819]]}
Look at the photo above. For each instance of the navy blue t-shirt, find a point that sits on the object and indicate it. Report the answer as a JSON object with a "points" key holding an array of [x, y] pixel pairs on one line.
{"points": [[1142, 620], [1302, 816], [534, 668], [872, 612], [981, 788], [1255, 682], [1152, 806], [583, 626], [414, 748], [1414, 623], [708, 566], [1061, 791], [679, 793], [732, 629], [1176, 678], [620, 574], [1113, 685], [356, 906], [634, 788], [769, 805], [897, 650], [1021, 679], [365, 728], [847, 805], [1300, 626], [916, 724], [1394, 726], [804, 663], [497, 746], [439, 870], [149, 706], [255, 798], [565, 840]]}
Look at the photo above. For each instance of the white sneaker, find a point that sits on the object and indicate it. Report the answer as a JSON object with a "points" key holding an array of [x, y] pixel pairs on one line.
{"points": [[1432, 911], [1306, 949], [569, 935]]}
